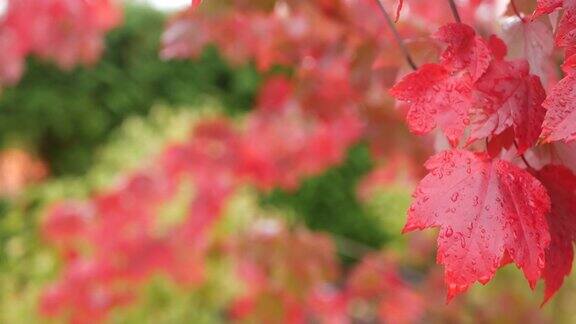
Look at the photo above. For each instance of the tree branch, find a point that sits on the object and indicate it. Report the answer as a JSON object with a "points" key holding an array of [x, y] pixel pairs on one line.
{"points": [[397, 36], [454, 10]]}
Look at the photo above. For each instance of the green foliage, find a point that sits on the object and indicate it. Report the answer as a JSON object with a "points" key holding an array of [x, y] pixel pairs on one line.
{"points": [[27, 263], [66, 116], [329, 202]]}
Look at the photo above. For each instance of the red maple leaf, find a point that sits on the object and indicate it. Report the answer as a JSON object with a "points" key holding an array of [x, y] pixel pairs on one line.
{"points": [[561, 185], [566, 30], [547, 6], [465, 51], [488, 211], [560, 121], [509, 96], [437, 98]]}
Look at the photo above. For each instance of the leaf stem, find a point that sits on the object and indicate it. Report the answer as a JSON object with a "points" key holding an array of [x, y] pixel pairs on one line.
{"points": [[454, 10], [523, 157], [515, 9], [397, 36]]}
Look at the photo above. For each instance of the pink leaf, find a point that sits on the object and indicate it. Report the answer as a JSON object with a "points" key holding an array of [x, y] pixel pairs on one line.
{"points": [[532, 41], [560, 121]]}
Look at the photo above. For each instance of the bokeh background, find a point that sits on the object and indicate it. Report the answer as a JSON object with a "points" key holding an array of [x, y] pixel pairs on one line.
{"points": [[69, 134]]}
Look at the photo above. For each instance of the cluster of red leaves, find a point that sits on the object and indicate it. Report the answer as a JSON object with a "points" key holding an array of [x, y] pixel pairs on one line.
{"points": [[281, 271], [282, 143], [502, 200], [340, 53], [65, 32], [119, 236], [292, 276]]}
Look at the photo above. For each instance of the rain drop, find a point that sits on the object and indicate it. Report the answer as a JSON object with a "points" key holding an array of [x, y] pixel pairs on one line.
{"points": [[454, 197], [484, 279]]}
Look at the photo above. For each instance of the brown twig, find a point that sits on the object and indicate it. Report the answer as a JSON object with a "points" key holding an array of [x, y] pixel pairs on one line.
{"points": [[454, 10], [352, 249], [523, 157], [397, 36], [515, 9]]}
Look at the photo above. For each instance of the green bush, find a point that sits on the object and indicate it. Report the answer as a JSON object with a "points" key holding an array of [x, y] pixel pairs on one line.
{"points": [[66, 116], [329, 202]]}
